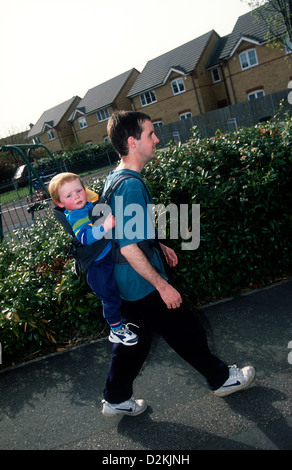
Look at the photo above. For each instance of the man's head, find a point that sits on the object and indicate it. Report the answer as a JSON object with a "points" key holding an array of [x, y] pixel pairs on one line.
{"points": [[125, 124], [68, 191]]}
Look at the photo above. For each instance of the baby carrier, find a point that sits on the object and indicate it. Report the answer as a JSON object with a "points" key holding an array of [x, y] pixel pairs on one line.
{"points": [[85, 254]]}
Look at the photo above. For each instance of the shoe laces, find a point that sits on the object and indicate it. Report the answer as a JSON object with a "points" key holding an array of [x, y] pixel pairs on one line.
{"points": [[133, 324], [234, 371]]}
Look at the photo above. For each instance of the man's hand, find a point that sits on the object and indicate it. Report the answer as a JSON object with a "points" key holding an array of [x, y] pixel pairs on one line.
{"points": [[170, 296], [170, 255], [135, 256]]}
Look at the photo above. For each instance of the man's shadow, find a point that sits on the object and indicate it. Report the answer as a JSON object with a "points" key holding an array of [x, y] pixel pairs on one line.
{"points": [[255, 405]]}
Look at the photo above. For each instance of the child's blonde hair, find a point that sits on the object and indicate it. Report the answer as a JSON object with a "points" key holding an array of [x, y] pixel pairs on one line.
{"points": [[57, 182]]}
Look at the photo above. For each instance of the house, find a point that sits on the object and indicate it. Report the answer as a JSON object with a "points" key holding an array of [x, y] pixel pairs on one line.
{"points": [[176, 85], [245, 65], [89, 119], [53, 129]]}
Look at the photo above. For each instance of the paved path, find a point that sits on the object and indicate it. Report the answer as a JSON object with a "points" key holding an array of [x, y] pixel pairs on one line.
{"points": [[55, 402]]}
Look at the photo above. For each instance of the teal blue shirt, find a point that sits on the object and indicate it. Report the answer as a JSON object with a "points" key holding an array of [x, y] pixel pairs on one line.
{"points": [[131, 205]]}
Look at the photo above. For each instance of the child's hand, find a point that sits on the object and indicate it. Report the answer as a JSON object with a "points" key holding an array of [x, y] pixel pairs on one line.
{"points": [[109, 222]]}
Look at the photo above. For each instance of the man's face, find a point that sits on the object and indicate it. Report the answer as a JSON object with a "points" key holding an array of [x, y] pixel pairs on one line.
{"points": [[146, 144]]}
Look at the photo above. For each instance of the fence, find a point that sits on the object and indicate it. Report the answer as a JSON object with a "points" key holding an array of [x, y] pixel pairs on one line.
{"points": [[226, 119], [21, 215], [20, 207]]}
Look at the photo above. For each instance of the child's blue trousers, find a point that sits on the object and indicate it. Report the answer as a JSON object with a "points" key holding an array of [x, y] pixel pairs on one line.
{"points": [[101, 279]]}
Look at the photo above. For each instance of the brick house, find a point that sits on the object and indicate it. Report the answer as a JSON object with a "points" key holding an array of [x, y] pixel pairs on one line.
{"points": [[175, 85], [89, 119], [244, 66], [212, 72], [53, 129]]}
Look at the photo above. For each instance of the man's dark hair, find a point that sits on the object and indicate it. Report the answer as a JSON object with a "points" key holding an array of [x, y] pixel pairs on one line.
{"points": [[122, 125]]}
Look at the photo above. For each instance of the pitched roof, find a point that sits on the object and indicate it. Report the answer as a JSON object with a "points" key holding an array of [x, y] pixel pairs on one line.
{"points": [[252, 26], [184, 58], [214, 58], [51, 117], [104, 94]]}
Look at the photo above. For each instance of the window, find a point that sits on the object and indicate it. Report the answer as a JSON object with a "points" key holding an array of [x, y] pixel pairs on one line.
{"points": [[256, 94], [216, 75], [102, 115], [157, 124], [185, 116], [82, 122], [178, 86], [248, 59], [51, 134], [287, 45], [148, 98], [36, 140]]}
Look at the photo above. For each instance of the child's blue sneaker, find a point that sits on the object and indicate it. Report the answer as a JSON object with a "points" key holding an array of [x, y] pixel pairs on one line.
{"points": [[123, 335]]}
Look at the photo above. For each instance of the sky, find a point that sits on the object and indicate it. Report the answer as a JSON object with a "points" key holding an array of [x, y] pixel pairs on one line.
{"points": [[52, 50]]}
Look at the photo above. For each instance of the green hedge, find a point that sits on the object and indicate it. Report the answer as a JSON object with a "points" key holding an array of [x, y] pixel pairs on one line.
{"points": [[43, 304], [243, 185]]}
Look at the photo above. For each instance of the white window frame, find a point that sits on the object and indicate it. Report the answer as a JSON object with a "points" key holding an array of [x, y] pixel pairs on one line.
{"points": [[147, 98], [82, 122], [157, 124], [51, 134], [254, 94], [179, 84], [185, 116], [287, 45], [216, 80], [36, 140], [102, 114], [245, 58]]}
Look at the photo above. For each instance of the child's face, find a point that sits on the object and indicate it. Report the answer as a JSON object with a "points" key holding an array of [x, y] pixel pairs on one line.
{"points": [[72, 196]]}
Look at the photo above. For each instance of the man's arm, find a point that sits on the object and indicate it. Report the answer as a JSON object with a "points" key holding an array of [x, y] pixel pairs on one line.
{"points": [[140, 263]]}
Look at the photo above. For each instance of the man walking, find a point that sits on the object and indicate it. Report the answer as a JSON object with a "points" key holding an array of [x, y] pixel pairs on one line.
{"points": [[149, 300]]}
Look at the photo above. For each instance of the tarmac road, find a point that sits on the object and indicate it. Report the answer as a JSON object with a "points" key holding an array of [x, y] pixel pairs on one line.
{"points": [[55, 402]]}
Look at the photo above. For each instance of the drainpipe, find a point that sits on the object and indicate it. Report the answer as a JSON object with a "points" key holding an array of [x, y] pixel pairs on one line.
{"points": [[225, 85], [231, 83], [198, 102]]}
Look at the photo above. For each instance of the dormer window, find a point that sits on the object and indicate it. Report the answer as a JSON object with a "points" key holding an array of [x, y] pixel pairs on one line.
{"points": [[82, 122], [248, 59], [178, 86], [51, 134]]}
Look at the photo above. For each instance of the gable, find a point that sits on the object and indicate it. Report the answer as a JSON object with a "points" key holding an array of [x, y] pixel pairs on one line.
{"points": [[102, 95], [251, 27], [183, 59], [51, 117]]}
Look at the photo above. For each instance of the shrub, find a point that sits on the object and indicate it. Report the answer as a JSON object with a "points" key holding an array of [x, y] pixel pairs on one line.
{"points": [[43, 303], [243, 185]]}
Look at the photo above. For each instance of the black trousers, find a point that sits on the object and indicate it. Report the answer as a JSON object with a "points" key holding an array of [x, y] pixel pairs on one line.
{"points": [[180, 328]]}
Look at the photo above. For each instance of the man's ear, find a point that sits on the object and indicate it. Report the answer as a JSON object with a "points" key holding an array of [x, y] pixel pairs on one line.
{"points": [[59, 204], [131, 142]]}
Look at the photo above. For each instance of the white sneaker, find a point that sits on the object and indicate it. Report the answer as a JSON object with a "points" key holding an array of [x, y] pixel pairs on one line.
{"points": [[129, 407], [238, 380]]}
